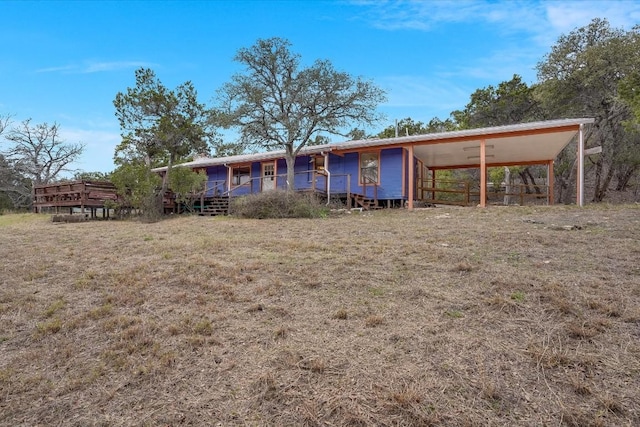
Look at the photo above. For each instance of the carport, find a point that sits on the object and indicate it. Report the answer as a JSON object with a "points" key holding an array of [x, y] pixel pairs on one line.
{"points": [[536, 143]]}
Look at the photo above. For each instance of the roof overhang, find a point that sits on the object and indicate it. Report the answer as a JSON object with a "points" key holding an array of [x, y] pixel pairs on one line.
{"points": [[504, 149], [527, 143]]}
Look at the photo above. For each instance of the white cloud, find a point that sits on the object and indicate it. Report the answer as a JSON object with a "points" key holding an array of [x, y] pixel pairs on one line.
{"points": [[64, 68], [426, 15], [569, 15], [542, 22], [95, 67]]}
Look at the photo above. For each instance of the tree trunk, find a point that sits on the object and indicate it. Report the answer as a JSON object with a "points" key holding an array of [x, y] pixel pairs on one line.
{"points": [[602, 185], [165, 178], [570, 185], [291, 161], [624, 176], [525, 181], [527, 170]]}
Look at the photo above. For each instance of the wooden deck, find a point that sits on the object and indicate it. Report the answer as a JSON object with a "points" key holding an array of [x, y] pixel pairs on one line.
{"points": [[85, 196]]}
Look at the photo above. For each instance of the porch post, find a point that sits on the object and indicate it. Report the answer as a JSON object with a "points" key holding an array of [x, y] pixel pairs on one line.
{"points": [[580, 181], [412, 179], [483, 173], [328, 177], [550, 183]]}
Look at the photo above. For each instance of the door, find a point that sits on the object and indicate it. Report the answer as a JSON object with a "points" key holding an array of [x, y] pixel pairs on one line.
{"points": [[268, 176]]}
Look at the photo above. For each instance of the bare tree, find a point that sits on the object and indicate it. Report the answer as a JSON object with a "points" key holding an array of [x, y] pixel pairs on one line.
{"points": [[4, 123], [35, 155], [36, 151], [13, 187]]}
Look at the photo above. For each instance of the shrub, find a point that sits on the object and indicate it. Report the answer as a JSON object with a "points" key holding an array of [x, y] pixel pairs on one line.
{"points": [[278, 204]]}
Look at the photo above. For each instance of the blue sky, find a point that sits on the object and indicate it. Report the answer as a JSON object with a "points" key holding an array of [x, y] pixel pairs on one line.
{"points": [[64, 61]]}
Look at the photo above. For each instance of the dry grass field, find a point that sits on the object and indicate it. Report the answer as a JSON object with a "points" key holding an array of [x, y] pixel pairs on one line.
{"points": [[442, 316]]}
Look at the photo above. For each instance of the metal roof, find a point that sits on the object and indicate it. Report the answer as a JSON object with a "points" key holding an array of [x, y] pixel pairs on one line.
{"points": [[512, 144]]}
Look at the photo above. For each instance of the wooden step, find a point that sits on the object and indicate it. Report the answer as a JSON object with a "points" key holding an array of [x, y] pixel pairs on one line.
{"points": [[217, 206], [365, 202]]}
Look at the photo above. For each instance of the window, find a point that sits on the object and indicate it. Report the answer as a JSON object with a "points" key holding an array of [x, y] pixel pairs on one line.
{"points": [[241, 175], [318, 164], [369, 165]]}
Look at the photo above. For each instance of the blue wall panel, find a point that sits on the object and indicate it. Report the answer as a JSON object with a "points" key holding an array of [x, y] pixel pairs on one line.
{"points": [[216, 177], [390, 175]]}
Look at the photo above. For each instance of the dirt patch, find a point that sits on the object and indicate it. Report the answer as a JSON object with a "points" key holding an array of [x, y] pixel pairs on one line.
{"points": [[442, 316]]}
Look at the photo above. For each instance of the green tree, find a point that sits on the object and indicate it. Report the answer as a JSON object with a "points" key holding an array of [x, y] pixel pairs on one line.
{"points": [[186, 184], [582, 76], [629, 89], [437, 125], [137, 186], [511, 102], [403, 127], [319, 140], [277, 104], [160, 127], [356, 134], [408, 126], [226, 149], [91, 176]]}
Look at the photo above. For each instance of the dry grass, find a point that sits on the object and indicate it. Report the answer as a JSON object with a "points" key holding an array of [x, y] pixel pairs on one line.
{"points": [[446, 316]]}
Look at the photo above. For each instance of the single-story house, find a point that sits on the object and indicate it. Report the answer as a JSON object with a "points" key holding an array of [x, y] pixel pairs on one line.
{"points": [[396, 171]]}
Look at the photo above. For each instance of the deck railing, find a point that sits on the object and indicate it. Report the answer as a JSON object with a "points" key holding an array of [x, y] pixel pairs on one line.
{"points": [[466, 193], [313, 180], [369, 180]]}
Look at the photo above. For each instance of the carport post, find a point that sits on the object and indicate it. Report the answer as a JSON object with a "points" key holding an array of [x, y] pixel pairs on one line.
{"points": [[412, 177], [483, 173], [550, 183], [580, 183]]}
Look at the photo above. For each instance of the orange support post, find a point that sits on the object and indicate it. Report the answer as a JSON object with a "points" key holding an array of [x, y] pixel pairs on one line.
{"points": [[412, 179], [483, 173], [550, 183]]}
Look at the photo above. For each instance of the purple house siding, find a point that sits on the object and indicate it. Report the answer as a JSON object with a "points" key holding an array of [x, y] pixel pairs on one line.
{"points": [[390, 170], [216, 180], [390, 174], [338, 176]]}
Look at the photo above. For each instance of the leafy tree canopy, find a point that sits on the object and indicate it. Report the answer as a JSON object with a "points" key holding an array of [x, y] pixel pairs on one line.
{"points": [[510, 102], [590, 72], [91, 176], [159, 127], [277, 104]]}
